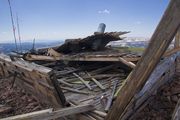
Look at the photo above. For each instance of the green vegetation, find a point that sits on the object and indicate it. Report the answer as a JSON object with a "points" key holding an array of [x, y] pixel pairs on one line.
{"points": [[130, 49]]}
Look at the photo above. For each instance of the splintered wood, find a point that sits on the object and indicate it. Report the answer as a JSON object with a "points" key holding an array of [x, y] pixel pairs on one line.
{"points": [[160, 41], [104, 56], [35, 79], [90, 83], [86, 76]]}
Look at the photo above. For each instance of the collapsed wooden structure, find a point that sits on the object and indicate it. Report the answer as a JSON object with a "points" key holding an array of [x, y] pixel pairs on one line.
{"points": [[58, 83]]}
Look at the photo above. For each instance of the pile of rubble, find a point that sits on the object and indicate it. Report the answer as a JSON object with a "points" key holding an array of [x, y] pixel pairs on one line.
{"points": [[86, 70], [80, 72], [162, 104], [14, 100]]}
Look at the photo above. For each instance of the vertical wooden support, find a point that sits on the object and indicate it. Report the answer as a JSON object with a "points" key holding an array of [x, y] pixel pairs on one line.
{"points": [[160, 41], [177, 39]]}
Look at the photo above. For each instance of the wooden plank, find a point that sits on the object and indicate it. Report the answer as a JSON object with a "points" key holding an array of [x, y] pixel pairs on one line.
{"points": [[171, 52], [161, 75], [83, 81], [110, 99], [176, 113], [130, 64], [97, 82], [65, 83], [75, 90], [35, 79], [160, 41], [100, 76], [49, 114], [28, 115], [31, 57], [177, 39], [53, 53]]}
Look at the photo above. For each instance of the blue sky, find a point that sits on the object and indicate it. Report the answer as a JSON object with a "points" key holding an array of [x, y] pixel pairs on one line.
{"points": [[61, 19]]}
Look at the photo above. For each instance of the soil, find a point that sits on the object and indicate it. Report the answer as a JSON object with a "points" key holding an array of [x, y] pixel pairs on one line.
{"points": [[15, 101], [162, 104]]}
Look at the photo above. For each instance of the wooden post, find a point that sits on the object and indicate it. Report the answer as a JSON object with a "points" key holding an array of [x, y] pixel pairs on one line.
{"points": [[160, 41], [177, 39]]}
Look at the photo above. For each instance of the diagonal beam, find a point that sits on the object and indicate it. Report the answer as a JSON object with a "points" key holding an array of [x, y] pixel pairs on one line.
{"points": [[177, 39], [160, 41]]}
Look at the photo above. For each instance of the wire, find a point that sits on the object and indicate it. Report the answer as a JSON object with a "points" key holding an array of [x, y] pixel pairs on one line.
{"points": [[14, 33], [19, 33]]}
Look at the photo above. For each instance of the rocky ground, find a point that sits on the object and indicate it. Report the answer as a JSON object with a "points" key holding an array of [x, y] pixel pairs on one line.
{"points": [[161, 105], [14, 101]]}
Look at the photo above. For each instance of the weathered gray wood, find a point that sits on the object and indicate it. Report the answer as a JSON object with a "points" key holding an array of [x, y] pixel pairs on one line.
{"points": [[130, 64], [49, 114], [28, 116], [171, 52], [176, 113], [75, 91], [83, 81], [177, 39], [100, 76], [65, 83], [160, 41], [35, 79], [100, 113], [110, 99], [31, 57], [95, 81], [164, 72]]}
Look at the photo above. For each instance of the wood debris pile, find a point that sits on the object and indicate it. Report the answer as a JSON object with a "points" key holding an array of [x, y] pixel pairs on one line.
{"points": [[81, 71], [14, 100], [91, 43], [85, 76], [161, 105]]}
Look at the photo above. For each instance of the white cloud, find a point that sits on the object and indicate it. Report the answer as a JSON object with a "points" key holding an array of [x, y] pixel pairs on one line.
{"points": [[105, 11]]}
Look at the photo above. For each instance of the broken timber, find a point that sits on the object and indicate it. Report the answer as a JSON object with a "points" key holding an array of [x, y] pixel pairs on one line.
{"points": [[177, 39], [126, 60], [176, 114], [162, 74], [91, 43], [35, 79], [49, 114], [160, 41]]}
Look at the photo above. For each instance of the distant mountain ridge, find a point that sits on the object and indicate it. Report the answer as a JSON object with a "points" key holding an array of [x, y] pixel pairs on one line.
{"points": [[26, 46], [131, 42]]}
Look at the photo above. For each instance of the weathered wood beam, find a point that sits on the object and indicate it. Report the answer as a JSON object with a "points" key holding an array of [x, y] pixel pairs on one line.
{"points": [[176, 113], [177, 39], [130, 64], [110, 99], [75, 90], [160, 41], [95, 81], [31, 57], [171, 52], [53, 53], [35, 79], [162, 74], [49, 114]]}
